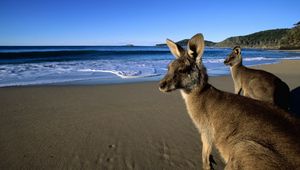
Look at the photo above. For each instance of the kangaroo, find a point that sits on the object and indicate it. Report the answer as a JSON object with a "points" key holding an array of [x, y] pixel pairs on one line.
{"points": [[248, 134], [257, 84]]}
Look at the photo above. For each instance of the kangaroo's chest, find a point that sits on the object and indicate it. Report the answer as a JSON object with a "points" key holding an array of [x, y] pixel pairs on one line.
{"points": [[195, 112], [198, 112], [235, 74]]}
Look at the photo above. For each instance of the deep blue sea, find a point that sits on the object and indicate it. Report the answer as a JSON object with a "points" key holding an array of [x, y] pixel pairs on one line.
{"points": [[33, 65]]}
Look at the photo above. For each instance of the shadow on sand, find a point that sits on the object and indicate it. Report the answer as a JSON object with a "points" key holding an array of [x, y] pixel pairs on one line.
{"points": [[295, 101]]}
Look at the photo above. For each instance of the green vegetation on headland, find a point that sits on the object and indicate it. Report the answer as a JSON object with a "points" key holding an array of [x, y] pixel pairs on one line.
{"points": [[262, 39], [292, 39], [285, 39]]}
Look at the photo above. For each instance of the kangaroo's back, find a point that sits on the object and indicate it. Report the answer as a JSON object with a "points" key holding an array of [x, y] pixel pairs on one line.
{"points": [[265, 136], [265, 86], [247, 132]]}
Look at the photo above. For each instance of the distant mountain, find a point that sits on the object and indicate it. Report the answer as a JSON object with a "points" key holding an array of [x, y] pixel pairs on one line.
{"points": [[292, 39], [264, 39], [269, 39], [185, 41]]}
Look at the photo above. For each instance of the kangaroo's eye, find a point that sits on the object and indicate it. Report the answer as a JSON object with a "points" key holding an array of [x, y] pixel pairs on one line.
{"points": [[181, 70]]}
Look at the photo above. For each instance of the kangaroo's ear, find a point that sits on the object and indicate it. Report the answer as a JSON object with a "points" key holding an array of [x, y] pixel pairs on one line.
{"points": [[175, 49], [195, 47], [237, 50]]}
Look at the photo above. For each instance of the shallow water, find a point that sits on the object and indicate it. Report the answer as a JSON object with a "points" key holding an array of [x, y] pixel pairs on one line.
{"points": [[109, 64]]}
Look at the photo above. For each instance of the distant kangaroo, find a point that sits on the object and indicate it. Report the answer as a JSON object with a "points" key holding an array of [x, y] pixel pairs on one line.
{"points": [[249, 134], [257, 84]]}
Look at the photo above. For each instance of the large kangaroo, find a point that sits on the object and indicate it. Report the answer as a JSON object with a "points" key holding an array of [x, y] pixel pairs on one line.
{"points": [[257, 84], [249, 134]]}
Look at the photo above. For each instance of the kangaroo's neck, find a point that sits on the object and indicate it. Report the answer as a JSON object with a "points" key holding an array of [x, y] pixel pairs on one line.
{"points": [[196, 97], [235, 70]]}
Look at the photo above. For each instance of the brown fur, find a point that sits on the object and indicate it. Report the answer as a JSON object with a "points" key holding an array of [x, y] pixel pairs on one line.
{"points": [[257, 84], [249, 134]]}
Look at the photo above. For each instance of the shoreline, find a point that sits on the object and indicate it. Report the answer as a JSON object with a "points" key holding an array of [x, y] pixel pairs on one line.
{"points": [[294, 50], [133, 81]]}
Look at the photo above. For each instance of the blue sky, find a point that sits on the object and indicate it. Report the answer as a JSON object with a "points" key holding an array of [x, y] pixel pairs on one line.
{"points": [[118, 22]]}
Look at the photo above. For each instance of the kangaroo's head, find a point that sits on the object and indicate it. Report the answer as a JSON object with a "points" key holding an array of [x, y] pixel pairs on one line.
{"points": [[235, 57], [186, 71]]}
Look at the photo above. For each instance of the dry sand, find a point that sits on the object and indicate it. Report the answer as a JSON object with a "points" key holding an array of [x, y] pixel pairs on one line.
{"points": [[129, 126]]}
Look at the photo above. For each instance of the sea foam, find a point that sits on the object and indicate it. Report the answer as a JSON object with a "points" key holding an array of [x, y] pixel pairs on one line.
{"points": [[110, 64]]}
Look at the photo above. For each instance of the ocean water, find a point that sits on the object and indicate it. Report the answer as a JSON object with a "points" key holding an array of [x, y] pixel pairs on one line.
{"points": [[33, 65]]}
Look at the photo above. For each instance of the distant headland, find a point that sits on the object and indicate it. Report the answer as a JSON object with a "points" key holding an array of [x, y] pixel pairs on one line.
{"points": [[129, 45], [283, 39]]}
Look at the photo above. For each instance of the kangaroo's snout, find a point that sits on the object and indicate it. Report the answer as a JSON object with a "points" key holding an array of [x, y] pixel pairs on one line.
{"points": [[165, 85], [162, 84], [227, 61]]}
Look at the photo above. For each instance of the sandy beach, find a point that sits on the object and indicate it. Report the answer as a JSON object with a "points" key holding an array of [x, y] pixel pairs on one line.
{"points": [[124, 126]]}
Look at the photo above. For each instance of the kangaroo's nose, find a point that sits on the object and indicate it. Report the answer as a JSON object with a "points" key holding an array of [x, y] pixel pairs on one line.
{"points": [[162, 84], [225, 61]]}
